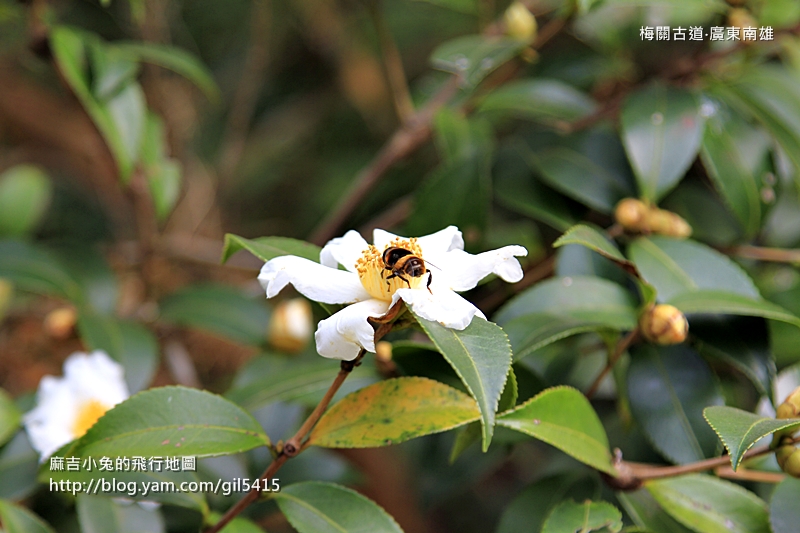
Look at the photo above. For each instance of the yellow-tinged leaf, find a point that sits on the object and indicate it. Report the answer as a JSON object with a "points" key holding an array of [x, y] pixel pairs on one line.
{"points": [[393, 411]]}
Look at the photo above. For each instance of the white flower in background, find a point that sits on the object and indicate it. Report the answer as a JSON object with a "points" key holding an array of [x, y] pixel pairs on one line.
{"points": [[67, 407], [372, 288]]}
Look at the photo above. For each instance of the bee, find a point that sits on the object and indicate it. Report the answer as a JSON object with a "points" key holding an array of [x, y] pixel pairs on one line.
{"points": [[401, 263]]}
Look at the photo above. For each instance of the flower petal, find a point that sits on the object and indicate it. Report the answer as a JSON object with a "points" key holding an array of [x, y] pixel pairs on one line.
{"points": [[48, 424], [96, 376], [343, 251], [449, 238], [343, 334], [312, 280], [443, 306], [461, 271]]}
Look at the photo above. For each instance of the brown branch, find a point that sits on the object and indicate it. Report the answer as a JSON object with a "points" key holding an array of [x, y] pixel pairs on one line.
{"points": [[777, 255], [622, 345], [744, 474]]}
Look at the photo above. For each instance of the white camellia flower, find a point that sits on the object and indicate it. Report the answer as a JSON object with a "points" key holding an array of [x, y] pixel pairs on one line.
{"points": [[67, 407], [369, 286]]}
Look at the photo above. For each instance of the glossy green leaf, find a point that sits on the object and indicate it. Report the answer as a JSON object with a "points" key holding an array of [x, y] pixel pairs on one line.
{"points": [[731, 304], [481, 356], [35, 269], [473, 57], [647, 514], [174, 59], [266, 248], [668, 388], [740, 430], [710, 505], [25, 193], [99, 514], [9, 417], [661, 130], [784, 513], [569, 517], [315, 507], [219, 309], [18, 465], [171, 421], [587, 299], [564, 418], [675, 267], [129, 343], [267, 379], [595, 240], [548, 101], [393, 411], [17, 519], [732, 153]]}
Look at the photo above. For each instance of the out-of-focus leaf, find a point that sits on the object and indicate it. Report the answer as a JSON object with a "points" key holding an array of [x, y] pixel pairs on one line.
{"points": [[564, 418], [9, 417], [130, 343], [315, 507], [393, 411], [174, 59], [732, 152], [569, 517], [463, 6], [711, 221], [739, 430], [473, 57], [18, 465], [171, 420], [32, 268], [668, 388], [548, 101], [163, 173], [587, 299], [25, 193], [237, 525], [17, 519], [784, 513], [218, 308], [266, 248], [661, 130], [594, 239], [675, 267], [458, 137], [99, 514], [710, 505], [646, 513], [481, 356], [128, 111], [731, 304], [91, 271]]}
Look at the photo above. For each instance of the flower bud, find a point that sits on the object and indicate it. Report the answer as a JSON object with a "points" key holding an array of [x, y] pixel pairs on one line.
{"points": [[790, 408], [520, 22], [631, 214], [668, 223], [663, 324], [60, 322], [289, 327], [788, 458], [383, 351]]}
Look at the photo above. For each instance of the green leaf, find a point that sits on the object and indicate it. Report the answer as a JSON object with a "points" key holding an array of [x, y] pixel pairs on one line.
{"points": [[731, 304], [25, 193], [171, 420], [316, 507], [129, 343], [710, 505], [548, 101], [99, 514], [393, 411], [733, 152], [458, 137], [163, 173], [469, 7], [17, 519], [668, 388], [174, 59], [784, 513], [588, 299], [661, 130], [569, 517], [87, 266], [481, 356], [237, 525], [128, 111], [675, 267], [266, 248], [265, 380], [595, 240], [647, 514], [564, 418], [217, 308], [473, 57], [18, 465], [9, 417], [739, 430], [32, 268]]}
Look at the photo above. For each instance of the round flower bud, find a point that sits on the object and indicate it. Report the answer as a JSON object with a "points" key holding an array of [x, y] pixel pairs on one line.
{"points": [[631, 214], [290, 325], [668, 223], [520, 22], [790, 408], [788, 458], [60, 322], [663, 324]]}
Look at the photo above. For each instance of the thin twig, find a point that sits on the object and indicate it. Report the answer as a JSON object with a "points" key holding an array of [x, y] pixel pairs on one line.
{"points": [[777, 255], [622, 345], [744, 474]]}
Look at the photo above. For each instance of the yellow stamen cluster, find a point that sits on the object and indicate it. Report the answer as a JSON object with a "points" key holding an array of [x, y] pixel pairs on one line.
{"points": [[89, 412], [373, 273]]}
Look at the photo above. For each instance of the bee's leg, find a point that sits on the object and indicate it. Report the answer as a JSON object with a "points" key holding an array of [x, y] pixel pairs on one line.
{"points": [[428, 284], [404, 279]]}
